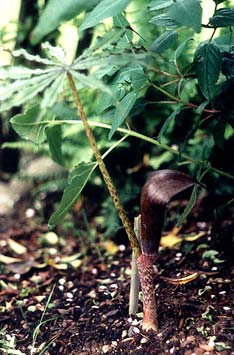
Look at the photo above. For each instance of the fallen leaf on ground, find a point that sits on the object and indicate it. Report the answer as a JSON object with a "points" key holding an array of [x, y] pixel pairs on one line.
{"points": [[19, 249]]}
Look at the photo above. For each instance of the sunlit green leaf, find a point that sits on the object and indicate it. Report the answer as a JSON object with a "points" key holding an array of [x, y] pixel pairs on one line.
{"points": [[20, 72], [51, 93], [180, 49], [21, 91], [169, 121], [32, 125], [90, 81], [160, 4], [56, 12], [122, 111], [187, 13], [30, 57], [77, 180], [54, 138], [104, 9], [164, 21], [163, 42], [56, 54], [189, 206], [207, 66]]}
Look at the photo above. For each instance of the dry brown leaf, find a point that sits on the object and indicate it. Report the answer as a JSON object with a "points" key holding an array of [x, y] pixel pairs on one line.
{"points": [[192, 238], [171, 239], [111, 247], [4, 259], [181, 280]]}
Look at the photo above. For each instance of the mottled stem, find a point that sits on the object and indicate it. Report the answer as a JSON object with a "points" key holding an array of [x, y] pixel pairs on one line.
{"points": [[160, 188]]}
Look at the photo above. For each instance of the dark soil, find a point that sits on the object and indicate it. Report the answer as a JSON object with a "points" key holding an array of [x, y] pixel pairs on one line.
{"points": [[79, 306]]}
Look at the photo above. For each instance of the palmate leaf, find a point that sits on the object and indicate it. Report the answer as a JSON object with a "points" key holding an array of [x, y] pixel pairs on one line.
{"points": [[55, 53], [30, 57], [78, 177], [20, 72], [20, 84], [20, 92], [8, 89], [91, 81], [105, 60], [51, 93]]}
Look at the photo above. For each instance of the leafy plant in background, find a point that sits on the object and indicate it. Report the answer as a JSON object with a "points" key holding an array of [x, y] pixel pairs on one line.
{"points": [[192, 83]]}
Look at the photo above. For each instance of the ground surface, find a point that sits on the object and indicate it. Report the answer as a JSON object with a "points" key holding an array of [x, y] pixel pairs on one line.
{"points": [[68, 296]]}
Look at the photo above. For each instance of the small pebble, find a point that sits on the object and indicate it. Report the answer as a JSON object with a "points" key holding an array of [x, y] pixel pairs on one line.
{"points": [[226, 308], [122, 247], [29, 213], [114, 286], [92, 294], [105, 348], [133, 330], [61, 281], [94, 271], [124, 334]]}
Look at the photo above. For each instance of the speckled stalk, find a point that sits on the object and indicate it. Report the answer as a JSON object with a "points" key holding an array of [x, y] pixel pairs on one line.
{"points": [[106, 176], [160, 188]]}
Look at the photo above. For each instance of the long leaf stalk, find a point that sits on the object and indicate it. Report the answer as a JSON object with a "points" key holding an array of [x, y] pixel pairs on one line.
{"points": [[153, 141], [106, 176]]}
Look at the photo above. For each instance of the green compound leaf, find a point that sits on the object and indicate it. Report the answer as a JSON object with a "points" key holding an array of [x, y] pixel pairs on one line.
{"points": [[163, 42], [207, 62], [31, 125], [187, 13], [77, 179], [104, 9], [19, 92]]}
